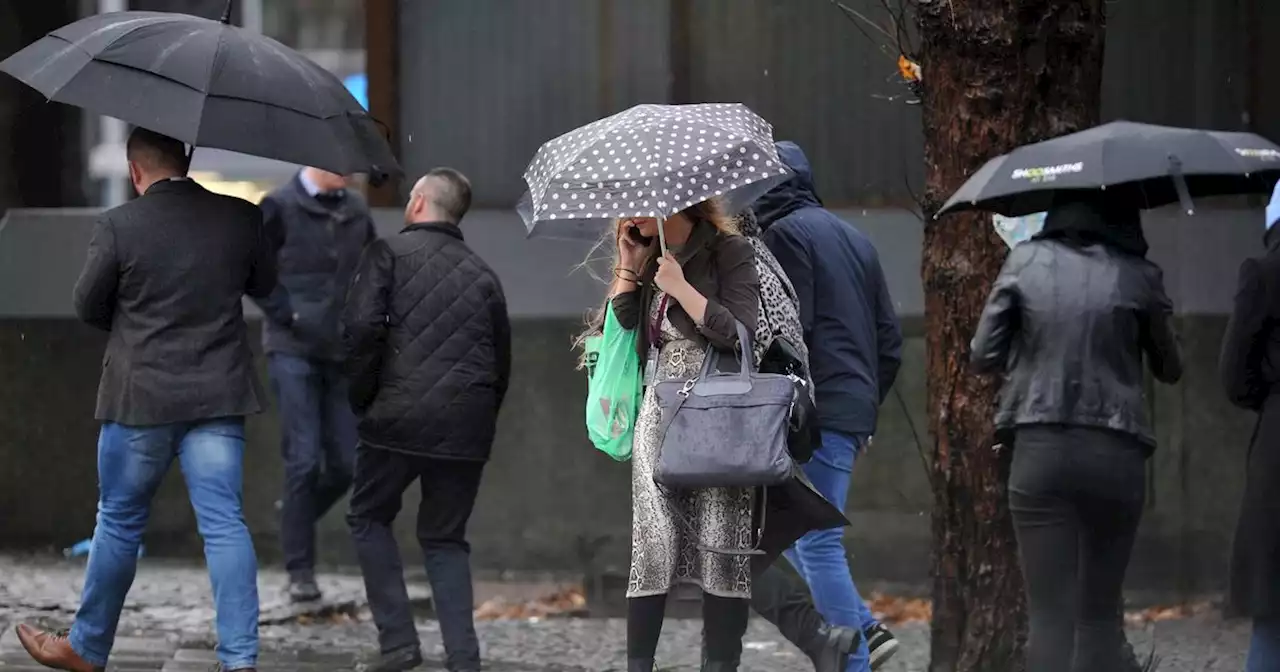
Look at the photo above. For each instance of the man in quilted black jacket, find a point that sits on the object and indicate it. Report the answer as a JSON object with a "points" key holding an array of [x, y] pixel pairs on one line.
{"points": [[428, 351]]}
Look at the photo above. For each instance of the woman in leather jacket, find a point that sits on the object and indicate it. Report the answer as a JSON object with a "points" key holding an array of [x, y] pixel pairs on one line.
{"points": [[1068, 323]]}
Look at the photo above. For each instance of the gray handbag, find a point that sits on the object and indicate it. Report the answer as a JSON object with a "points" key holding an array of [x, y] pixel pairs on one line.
{"points": [[725, 430]]}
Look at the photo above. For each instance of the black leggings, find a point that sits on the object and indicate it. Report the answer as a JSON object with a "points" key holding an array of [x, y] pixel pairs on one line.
{"points": [[1076, 495], [724, 621]]}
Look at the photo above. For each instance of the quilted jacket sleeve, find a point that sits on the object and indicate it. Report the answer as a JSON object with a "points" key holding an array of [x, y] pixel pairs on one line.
{"points": [[365, 323], [501, 341]]}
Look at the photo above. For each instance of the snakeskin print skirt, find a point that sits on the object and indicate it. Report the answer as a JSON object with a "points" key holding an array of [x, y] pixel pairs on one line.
{"points": [[670, 530]]}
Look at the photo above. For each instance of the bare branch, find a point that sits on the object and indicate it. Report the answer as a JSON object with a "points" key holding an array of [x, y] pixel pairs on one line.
{"points": [[858, 19], [918, 199], [898, 18]]}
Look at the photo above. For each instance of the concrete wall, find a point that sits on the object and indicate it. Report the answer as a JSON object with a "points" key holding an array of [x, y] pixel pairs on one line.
{"points": [[550, 501]]}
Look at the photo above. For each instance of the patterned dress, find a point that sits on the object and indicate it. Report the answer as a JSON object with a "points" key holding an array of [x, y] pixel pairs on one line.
{"points": [[670, 530]]}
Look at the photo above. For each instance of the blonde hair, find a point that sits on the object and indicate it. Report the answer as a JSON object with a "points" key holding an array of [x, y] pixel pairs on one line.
{"points": [[711, 211]]}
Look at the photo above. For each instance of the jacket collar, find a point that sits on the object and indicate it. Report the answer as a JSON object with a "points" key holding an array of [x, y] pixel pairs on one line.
{"points": [[438, 227], [172, 185], [312, 203]]}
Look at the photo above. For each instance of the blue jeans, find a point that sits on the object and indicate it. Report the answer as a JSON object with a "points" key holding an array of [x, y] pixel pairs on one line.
{"points": [[131, 463], [1264, 647], [820, 556], [318, 445]]}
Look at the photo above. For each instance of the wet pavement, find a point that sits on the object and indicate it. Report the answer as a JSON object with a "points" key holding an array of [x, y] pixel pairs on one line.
{"points": [[167, 626]]}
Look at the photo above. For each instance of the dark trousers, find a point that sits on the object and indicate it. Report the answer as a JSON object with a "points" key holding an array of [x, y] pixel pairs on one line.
{"points": [[318, 443], [1076, 495], [449, 490], [782, 597]]}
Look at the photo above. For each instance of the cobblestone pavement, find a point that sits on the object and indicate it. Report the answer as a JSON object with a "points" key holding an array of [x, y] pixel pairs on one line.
{"points": [[166, 626]]}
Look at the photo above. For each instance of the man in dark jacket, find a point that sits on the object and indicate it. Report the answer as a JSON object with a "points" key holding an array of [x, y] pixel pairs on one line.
{"points": [[854, 352], [1250, 354], [165, 275], [318, 228], [428, 347]]}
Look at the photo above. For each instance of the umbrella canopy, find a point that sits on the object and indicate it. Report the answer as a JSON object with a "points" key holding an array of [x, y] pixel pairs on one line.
{"points": [[208, 84], [1148, 166], [648, 161]]}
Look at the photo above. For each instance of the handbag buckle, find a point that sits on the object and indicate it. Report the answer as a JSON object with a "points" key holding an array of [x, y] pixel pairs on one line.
{"points": [[687, 387]]}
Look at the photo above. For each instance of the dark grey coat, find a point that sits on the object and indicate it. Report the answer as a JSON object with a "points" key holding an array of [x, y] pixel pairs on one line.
{"points": [[1250, 368], [165, 274]]}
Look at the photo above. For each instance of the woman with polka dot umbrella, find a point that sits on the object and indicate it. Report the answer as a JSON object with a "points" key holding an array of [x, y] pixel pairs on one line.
{"points": [[649, 161]]}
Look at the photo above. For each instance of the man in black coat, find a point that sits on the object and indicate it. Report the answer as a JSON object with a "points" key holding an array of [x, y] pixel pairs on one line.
{"points": [[1250, 355], [318, 228], [428, 348], [165, 275], [855, 345]]}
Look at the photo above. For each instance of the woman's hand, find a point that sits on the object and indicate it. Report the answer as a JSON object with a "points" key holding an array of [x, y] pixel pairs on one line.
{"points": [[670, 276], [670, 279], [630, 253]]}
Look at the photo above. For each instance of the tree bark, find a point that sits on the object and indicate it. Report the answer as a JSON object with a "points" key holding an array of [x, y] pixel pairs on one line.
{"points": [[996, 74]]}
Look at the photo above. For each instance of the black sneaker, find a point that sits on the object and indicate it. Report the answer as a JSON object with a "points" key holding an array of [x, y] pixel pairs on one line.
{"points": [[833, 648], [401, 659], [304, 590], [881, 644]]}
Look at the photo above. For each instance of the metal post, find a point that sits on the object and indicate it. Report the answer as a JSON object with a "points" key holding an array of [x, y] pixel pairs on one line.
{"points": [[114, 189]]}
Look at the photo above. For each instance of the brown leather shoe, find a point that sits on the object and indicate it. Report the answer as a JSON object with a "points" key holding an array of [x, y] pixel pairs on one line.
{"points": [[52, 649]]}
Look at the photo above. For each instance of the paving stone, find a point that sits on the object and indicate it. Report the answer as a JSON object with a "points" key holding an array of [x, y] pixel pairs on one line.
{"points": [[170, 611]]}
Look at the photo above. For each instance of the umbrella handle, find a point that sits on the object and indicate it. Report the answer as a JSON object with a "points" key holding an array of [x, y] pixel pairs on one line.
{"points": [[1180, 184], [662, 238]]}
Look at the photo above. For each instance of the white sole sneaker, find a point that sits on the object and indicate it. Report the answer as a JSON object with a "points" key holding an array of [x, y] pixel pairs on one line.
{"points": [[883, 653]]}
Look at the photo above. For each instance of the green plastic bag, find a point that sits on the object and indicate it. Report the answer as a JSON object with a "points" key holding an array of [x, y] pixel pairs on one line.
{"points": [[613, 394]]}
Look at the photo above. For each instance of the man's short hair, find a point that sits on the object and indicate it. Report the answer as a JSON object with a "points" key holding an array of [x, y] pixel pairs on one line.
{"points": [[449, 192], [155, 152]]}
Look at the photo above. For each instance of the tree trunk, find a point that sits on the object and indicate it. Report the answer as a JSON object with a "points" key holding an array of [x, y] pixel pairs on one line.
{"points": [[996, 74]]}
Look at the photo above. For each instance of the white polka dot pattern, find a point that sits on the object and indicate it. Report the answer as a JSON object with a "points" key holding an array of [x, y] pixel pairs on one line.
{"points": [[650, 161]]}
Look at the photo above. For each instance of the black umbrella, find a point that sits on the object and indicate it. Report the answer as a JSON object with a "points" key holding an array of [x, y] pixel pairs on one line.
{"points": [[208, 84], [648, 161], [1147, 166]]}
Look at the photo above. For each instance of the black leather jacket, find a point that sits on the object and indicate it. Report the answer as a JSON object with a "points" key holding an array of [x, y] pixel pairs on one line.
{"points": [[1068, 323]]}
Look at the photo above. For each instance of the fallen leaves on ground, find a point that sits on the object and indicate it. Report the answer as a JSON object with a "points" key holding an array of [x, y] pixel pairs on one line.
{"points": [[1153, 614], [565, 602], [895, 610]]}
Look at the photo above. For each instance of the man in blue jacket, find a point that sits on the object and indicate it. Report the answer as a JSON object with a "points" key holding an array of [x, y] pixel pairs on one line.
{"points": [[318, 228], [855, 345]]}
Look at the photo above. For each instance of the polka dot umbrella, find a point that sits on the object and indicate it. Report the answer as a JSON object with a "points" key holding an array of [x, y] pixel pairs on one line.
{"points": [[648, 161]]}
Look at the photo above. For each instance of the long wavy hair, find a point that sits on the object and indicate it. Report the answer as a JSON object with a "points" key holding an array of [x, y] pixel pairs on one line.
{"points": [[712, 212]]}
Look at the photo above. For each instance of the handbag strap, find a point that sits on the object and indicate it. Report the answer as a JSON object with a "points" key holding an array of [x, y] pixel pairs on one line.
{"points": [[711, 362], [670, 415]]}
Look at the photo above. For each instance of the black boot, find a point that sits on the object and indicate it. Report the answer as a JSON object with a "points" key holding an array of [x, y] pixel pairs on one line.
{"points": [[831, 648], [640, 665], [719, 666]]}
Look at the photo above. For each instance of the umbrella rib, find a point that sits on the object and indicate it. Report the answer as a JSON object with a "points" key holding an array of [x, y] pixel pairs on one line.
{"points": [[346, 113]]}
